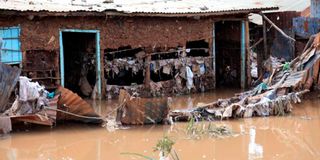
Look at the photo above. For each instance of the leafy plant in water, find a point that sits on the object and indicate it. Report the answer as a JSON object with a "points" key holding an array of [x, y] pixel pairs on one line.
{"points": [[164, 146], [195, 130]]}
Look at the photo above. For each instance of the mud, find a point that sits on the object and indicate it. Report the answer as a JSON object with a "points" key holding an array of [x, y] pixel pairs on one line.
{"points": [[291, 137]]}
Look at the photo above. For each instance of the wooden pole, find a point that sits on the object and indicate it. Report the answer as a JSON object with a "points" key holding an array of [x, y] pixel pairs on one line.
{"points": [[147, 71], [276, 27], [214, 55], [265, 42], [248, 67], [103, 79]]}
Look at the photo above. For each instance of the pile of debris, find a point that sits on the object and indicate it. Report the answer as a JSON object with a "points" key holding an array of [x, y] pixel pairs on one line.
{"points": [[34, 104], [282, 84], [29, 104]]}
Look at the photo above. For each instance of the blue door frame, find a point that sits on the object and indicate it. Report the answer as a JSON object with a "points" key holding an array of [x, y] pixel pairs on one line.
{"points": [[98, 65]]}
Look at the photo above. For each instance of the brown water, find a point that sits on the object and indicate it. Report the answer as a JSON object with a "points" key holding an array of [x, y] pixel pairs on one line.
{"points": [[292, 137]]}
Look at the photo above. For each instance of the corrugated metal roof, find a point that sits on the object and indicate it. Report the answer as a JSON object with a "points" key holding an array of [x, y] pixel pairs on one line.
{"points": [[284, 5], [190, 6], [139, 6], [292, 5]]}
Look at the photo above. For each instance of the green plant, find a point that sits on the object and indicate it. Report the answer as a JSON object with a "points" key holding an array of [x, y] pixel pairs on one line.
{"points": [[164, 145], [196, 131]]}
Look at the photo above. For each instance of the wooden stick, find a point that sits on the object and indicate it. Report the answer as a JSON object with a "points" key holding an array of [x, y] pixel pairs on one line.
{"points": [[265, 41], [276, 27], [257, 43]]}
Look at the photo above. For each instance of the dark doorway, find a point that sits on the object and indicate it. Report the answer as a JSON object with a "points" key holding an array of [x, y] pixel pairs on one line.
{"points": [[228, 54], [79, 51]]}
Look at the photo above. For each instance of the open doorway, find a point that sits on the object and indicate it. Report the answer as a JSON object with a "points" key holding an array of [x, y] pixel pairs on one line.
{"points": [[228, 54], [79, 61]]}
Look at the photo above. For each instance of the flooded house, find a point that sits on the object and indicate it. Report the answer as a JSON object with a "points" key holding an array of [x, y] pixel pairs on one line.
{"points": [[149, 47]]}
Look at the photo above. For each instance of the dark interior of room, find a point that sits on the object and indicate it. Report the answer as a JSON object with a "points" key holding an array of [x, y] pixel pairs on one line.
{"points": [[79, 59], [228, 52]]}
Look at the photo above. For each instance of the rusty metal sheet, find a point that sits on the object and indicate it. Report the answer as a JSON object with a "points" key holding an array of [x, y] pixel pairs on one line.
{"points": [[35, 119], [45, 117], [295, 79], [8, 79], [73, 103], [138, 111]]}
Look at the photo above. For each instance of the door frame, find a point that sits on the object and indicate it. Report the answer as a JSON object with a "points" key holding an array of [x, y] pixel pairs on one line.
{"points": [[98, 65]]}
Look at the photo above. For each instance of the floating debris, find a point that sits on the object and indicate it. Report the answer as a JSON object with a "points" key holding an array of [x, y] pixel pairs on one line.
{"points": [[196, 130]]}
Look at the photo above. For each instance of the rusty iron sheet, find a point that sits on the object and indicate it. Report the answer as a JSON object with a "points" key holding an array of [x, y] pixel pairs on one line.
{"points": [[45, 117], [138, 111], [33, 118], [73, 103], [8, 79]]}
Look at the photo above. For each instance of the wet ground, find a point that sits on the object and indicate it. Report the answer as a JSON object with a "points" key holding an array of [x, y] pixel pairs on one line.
{"points": [[296, 136]]}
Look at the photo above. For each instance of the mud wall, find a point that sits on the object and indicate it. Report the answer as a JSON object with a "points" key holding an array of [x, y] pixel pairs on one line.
{"points": [[43, 33]]}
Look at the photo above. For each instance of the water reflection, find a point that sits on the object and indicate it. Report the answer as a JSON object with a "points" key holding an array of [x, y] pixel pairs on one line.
{"points": [[255, 151]]}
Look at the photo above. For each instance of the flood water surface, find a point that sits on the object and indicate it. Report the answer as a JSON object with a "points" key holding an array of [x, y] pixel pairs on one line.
{"points": [[296, 136]]}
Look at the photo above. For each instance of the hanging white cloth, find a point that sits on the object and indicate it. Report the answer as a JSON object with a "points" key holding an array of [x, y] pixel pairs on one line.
{"points": [[189, 77]]}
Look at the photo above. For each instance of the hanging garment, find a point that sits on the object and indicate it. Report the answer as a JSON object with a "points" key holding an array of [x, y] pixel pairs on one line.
{"points": [[189, 77], [202, 69], [166, 69]]}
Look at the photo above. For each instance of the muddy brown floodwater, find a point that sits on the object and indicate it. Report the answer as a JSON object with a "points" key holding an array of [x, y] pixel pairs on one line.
{"points": [[296, 136]]}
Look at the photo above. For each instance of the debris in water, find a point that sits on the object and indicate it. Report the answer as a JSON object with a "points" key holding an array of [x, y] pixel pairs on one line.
{"points": [[137, 110], [196, 130], [283, 84], [111, 125], [306, 118]]}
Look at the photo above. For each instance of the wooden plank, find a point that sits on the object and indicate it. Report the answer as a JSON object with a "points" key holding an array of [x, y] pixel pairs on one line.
{"points": [[148, 76], [316, 70], [214, 55], [265, 41], [276, 27], [248, 63], [309, 81]]}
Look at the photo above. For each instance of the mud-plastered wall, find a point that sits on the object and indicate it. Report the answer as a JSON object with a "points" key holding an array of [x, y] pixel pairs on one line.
{"points": [[43, 32]]}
